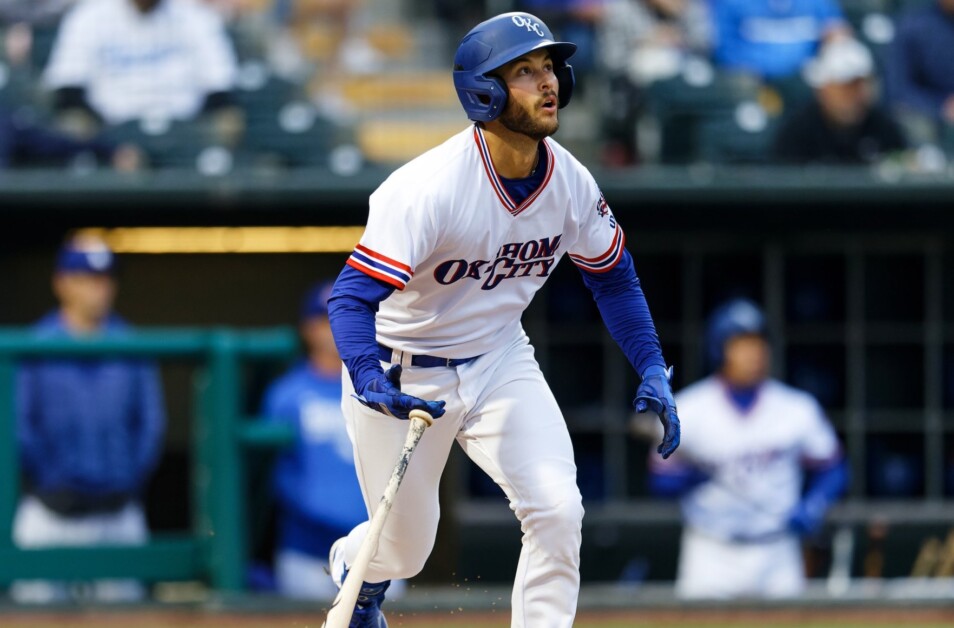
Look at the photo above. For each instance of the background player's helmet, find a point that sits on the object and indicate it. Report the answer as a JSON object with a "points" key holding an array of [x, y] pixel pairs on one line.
{"points": [[494, 43], [733, 318]]}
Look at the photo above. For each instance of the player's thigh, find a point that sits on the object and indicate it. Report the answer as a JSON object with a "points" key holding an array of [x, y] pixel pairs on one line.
{"points": [[709, 568], [517, 434], [784, 570]]}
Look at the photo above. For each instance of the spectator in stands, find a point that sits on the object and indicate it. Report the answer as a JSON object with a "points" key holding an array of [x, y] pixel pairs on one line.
{"points": [[919, 75], [316, 487], [24, 143], [320, 43], [640, 42], [571, 20], [19, 21], [843, 124], [758, 468], [119, 60], [90, 431], [771, 39]]}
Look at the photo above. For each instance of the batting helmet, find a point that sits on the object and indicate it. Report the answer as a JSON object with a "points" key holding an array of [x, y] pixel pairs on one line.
{"points": [[496, 42], [733, 318]]}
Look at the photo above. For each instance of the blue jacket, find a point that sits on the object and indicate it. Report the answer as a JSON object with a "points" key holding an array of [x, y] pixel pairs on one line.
{"points": [[770, 39], [315, 482], [918, 72], [27, 144], [88, 427]]}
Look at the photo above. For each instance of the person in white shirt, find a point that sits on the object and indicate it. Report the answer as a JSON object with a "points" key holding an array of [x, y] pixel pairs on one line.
{"points": [[125, 60], [758, 468]]}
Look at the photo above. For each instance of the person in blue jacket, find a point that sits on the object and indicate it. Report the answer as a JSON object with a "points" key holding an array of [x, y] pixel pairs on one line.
{"points": [[316, 488], [90, 431]]}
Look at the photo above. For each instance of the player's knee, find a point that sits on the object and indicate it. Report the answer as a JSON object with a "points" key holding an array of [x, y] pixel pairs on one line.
{"points": [[557, 523], [409, 565]]}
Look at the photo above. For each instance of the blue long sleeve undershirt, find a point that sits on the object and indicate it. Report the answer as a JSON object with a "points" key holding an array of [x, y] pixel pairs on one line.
{"points": [[351, 309], [355, 299], [622, 305], [826, 484]]}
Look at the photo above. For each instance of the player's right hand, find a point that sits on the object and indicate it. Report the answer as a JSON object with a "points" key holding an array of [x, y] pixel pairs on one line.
{"points": [[383, 393]]}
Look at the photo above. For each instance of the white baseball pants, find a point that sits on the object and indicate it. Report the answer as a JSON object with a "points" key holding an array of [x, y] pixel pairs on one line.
{"points": [[502, 413], [36, 526], [716, 569]]}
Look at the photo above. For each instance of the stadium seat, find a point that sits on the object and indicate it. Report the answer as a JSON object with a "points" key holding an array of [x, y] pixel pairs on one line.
{"points": [[398, 140], [741, 136]]}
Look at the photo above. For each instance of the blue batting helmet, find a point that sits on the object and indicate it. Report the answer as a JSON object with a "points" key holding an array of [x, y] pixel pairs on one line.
{"points": [[733, 318], [496, 42]]}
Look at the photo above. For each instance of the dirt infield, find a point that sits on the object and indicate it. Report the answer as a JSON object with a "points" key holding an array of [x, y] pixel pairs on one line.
{"points": [[807, 618]]}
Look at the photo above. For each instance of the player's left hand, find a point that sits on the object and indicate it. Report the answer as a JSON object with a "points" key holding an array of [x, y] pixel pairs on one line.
{"points": [[655, 393], [808, 517]]}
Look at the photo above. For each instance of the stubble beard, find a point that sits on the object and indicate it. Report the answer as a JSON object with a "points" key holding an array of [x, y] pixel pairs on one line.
{"points": [[516, 118]]}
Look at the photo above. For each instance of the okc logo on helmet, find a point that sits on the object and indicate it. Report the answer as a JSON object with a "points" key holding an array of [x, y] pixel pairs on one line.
{"points": [[524, 21]]}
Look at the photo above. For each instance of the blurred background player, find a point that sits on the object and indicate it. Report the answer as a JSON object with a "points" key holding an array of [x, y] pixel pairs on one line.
{"points": [[90, 432], [758, 467], [315, 483], [843, 123]]}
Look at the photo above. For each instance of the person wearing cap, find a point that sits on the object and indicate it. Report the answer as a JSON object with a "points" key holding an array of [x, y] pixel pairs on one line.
{"points": [[316, 488], [843, 123], [758, 468], [90, 431]]}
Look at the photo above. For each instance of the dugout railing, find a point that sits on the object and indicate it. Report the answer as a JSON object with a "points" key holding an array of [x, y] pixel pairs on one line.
{"points": [[215, 547]]}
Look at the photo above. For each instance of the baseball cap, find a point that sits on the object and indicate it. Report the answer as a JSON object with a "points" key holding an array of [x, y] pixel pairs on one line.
{"points": [[840, 61], [85, 255], [315, 302]]}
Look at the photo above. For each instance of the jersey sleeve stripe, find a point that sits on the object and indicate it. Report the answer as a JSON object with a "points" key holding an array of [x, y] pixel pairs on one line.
{"points": [[607, 260], [384, 258], [374, 266], [388, 279]]}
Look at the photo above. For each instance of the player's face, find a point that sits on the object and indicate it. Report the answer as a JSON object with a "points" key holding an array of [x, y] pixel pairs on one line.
{"points": [[88, 296], [534, 96], [746, 360]]}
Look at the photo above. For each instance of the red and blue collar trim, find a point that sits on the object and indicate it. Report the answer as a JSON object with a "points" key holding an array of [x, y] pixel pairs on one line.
{"points": [[498, 185]]}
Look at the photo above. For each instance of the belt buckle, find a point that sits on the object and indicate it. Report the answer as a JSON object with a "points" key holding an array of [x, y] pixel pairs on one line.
{"points": [[449, 362]]}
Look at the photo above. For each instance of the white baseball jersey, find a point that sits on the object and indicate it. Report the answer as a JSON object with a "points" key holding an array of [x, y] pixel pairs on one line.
{"points": [[467, 259], [755, 458], [134, 65]]}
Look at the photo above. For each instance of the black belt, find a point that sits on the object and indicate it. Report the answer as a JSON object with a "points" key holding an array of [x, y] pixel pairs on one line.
{"points": [[427, 361]]}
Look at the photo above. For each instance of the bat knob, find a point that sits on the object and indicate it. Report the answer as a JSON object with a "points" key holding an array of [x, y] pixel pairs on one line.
{"points": [[424, 416]]}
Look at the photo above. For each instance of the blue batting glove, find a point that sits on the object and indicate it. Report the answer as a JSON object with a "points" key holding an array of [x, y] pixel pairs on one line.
{"points": [[808, 517], [383, 393], [655, 393]]}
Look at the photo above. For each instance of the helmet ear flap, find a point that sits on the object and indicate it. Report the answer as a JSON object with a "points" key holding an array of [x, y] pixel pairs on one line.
{"points": [[567, 80], [483, 96]]}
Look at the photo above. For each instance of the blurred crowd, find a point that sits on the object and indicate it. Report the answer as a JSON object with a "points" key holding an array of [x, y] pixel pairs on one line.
{"points": [[215, 85]]}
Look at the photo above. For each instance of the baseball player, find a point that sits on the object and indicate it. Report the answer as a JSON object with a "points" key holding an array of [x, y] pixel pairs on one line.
{"points": [[426, 315], [90, 432], [740, 472]]}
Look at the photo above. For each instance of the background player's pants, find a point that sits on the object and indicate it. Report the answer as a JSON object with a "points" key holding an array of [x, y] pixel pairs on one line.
{"points": [[713, 568], [503, 414], [35, 526]]}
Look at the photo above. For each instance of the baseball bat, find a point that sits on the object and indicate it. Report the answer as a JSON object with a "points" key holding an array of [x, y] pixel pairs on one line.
{"points": [[339, 615]]}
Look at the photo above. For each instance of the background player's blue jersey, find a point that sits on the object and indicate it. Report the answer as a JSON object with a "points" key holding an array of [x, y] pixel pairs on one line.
{"points": [[315, 482]]}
